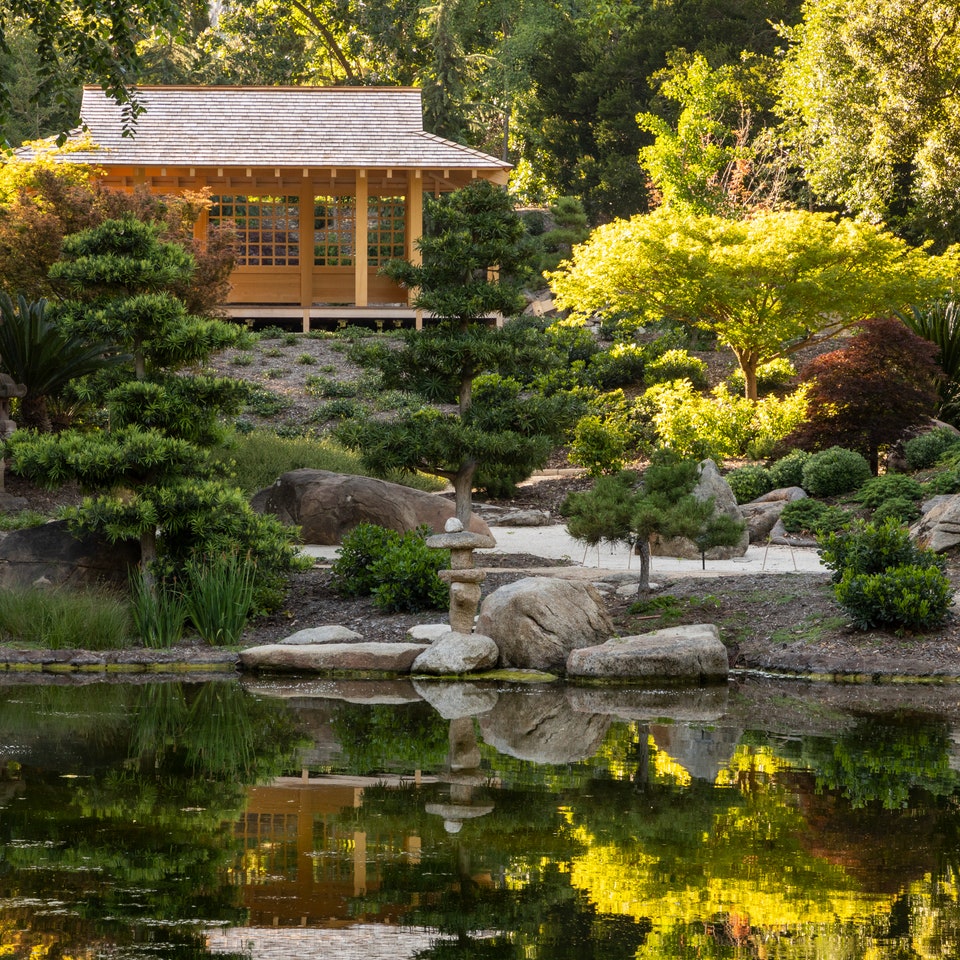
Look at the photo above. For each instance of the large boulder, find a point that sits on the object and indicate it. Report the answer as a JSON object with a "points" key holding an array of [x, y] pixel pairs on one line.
{"points": [[675, 655], [939, 527], [327, 505], [51, 555], [710, 484], [763, 513], [537, 621], [456, 653]]}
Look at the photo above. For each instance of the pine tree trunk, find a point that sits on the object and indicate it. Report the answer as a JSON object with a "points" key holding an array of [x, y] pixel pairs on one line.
{"points": [[148, 553], [642, 549], [463, 492]]}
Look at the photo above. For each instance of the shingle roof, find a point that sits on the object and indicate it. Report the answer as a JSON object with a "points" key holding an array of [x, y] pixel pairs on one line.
{"points": [[272, 126]]}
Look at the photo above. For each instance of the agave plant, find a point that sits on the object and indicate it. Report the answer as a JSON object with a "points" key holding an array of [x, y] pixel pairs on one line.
{"points": [[35, 352], [939, 323]]}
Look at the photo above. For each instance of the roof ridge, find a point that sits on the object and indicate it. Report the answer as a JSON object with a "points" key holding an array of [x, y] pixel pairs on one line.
{"points": [[229, 87]]}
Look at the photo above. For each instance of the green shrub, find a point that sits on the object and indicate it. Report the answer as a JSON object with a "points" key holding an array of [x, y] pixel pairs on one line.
{"points": [[749, 482], [813, 517], [399, 571], [868, 548], [343, 408], [945, 482], [359, 550], [720, 425], [326, 388], [883, 579], [788, 470], [599, 445], [834, 471], [621, 365], [770, 376], [266, 404], [901, 509], [877, 490], [677, 365], [908, 597], [924, 451]]}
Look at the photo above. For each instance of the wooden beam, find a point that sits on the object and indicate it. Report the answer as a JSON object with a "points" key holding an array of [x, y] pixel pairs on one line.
{"points": [[360, 243]]}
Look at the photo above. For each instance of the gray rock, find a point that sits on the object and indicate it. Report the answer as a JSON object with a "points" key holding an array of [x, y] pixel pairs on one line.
{"points": [[537, 621], [687, 654], [763, 514], [331, 633], [327, 505], [332, 657], [456, 653], [427, 632], [525, 518], [455, 700], [542, 727], [710, 484], [939, 528], [51, 554]]}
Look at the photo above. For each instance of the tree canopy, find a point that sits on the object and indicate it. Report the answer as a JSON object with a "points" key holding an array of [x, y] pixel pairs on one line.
{"points": [[765, 286], [870, 94]]}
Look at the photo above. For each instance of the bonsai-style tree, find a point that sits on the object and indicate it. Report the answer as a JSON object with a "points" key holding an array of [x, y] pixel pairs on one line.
{"points": [[627, 508], [865, 395], [766, 286], [475, 258], [148, 471]]}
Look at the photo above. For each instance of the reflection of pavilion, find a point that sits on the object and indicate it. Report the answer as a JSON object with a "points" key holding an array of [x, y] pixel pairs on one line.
{"points": [[301, 864]]}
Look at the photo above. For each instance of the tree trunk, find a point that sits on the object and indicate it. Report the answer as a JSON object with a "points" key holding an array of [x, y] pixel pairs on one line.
{"points": [[148, 553], [463, 492], [642, 549]]}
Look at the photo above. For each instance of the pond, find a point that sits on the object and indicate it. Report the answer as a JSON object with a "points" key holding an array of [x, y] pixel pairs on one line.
{"points": [[313, 818]]}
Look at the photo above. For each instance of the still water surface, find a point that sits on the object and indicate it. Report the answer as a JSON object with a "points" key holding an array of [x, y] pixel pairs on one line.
{"points": [[325, 819]]}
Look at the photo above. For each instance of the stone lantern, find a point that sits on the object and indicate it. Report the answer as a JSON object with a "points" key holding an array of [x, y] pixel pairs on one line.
{"points": [[463, 577]]}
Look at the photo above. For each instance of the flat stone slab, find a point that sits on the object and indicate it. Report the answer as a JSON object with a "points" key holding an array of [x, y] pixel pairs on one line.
{"points": [[689, 654], [332, 657], [329, 633]]}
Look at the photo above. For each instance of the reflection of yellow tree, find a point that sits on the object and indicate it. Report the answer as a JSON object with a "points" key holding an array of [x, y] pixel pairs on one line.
{"points": [[743, 879]]}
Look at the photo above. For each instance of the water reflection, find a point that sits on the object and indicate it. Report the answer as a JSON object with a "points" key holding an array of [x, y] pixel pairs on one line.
{"points": [[461, 820]]}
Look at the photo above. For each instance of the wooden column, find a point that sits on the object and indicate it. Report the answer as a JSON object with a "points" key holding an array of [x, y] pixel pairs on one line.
{"points": [[360, 241], [305, 251], [414, 229]]}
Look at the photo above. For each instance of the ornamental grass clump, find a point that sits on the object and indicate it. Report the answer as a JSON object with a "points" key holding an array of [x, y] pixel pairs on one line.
{"points": [[220, 596], [159, 615], [883, 579], [62, 619]]}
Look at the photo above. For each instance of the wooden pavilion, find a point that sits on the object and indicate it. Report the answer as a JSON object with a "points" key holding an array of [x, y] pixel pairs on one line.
{"points": [[291, 167]]}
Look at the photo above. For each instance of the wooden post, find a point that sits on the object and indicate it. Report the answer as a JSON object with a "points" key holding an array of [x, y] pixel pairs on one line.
{"points": [[414, 230], [305, 252], [360, 241]]}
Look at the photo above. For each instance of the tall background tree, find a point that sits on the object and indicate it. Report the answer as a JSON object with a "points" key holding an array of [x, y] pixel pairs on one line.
{"points": [[870, 96]]}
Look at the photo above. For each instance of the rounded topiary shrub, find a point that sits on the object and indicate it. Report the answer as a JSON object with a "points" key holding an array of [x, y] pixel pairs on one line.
{"points": [[809, 516], [877, 490], [901, 509], [749, 482], [676, 365], [834, 471], [924, 451], [788, 470], [866, 548], [908, 597]]}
